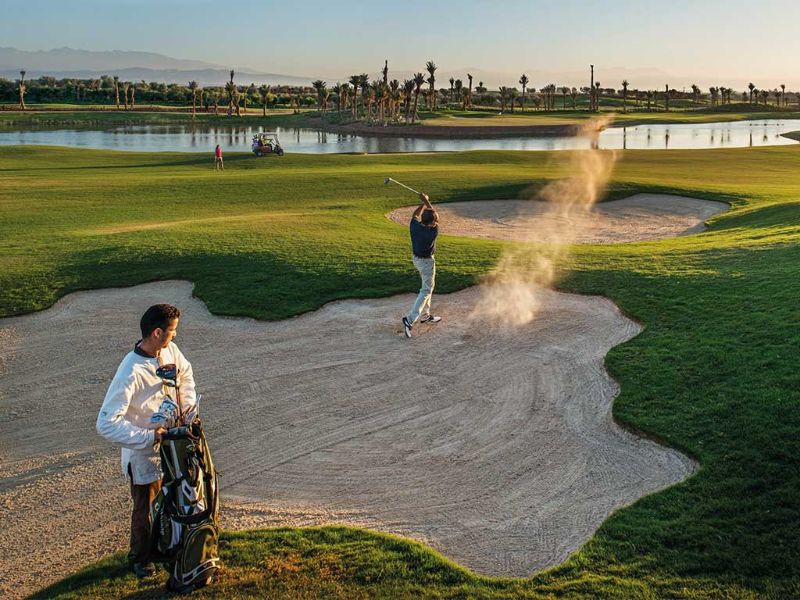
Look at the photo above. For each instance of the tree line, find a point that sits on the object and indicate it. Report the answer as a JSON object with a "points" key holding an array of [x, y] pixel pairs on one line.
{"points": [[126, 95], [379, 100]]}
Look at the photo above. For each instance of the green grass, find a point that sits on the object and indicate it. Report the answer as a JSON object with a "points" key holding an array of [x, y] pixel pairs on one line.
{"points": [[110, 117], [447, 117], [713, 373]]}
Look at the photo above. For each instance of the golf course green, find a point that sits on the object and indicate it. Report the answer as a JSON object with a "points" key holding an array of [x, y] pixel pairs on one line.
{"points": [[713, 373]]}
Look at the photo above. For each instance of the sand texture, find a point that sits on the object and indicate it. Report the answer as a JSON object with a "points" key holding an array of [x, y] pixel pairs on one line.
{"points": [[495, 446], [638, 218]]}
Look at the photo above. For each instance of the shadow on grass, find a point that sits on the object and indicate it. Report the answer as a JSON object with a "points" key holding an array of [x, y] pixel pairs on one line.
{"points": [[261, 285], [108, 569]]}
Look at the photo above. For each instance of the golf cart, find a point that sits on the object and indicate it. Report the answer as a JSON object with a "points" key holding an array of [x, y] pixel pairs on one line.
{"points": [[266, 143]]}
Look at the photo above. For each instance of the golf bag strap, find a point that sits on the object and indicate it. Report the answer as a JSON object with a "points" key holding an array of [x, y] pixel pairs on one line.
{"points": [[191, 519]]}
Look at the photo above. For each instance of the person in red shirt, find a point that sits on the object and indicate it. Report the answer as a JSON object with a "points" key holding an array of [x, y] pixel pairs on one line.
{"points": [[218, 164]]}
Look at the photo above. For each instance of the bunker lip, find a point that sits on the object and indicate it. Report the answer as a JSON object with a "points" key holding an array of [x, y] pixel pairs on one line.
{"points": [[495, 446], [641, 217]]}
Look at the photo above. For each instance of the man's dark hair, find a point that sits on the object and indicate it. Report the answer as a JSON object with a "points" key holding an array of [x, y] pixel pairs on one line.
{"points": [[428, 216], [158, 316]]}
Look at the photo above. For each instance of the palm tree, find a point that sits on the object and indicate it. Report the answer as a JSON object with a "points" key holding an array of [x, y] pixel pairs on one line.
{"points": [[22, 89], [233, 96], [125, 87], [564, 92], [326, 94], [431, 67], [503, 97], [251, 91], [764, 96], [695, 94], [523, 81], [452, 82], [376, 91], [666, 97], [419, 79], [214, 97], [408, 88], [728, 93], [355, 81], [751, 86], [363, 83], [649, 94], [133, 96], [116, 89], [625, 85], [574, 94], [338, 91], [265, 92], [458, 85], [193, 87], [469, 90], [783, 93], [512, 95], [368, 93], [319, 86], [394, 97]]}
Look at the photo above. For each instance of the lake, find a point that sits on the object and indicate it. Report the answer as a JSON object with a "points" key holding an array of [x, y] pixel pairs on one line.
{"points": [[203, 138]]}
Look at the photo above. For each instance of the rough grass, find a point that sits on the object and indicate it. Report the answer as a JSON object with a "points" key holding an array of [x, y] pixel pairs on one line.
{"points": [[713, 373], [481, 117]]}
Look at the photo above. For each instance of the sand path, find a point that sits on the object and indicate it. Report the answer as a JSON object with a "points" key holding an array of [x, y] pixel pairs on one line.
{"points": [[496, 447], [641, 217]]}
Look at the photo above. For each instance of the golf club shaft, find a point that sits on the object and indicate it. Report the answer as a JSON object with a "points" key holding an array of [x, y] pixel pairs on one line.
{"points": [[404, 185]]}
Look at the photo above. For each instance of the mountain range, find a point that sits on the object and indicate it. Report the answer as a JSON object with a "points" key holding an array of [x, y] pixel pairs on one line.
{"points": [[129, 66], [149, 66]]}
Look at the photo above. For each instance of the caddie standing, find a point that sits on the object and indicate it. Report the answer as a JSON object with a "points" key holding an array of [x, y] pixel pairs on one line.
{"points": [[131, 416], [424, 228]]}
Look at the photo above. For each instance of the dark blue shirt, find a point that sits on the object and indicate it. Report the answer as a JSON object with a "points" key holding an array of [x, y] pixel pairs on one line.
{"points": [[423, 239]]}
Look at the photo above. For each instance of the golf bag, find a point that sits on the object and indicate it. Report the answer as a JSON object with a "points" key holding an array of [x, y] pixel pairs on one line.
{"points": [[185, 514]]}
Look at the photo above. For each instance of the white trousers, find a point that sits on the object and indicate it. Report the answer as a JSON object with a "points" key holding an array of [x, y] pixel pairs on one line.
{"points": [[427, 272]]}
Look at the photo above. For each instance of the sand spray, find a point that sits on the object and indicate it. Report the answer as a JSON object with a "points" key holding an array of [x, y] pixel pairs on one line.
{"points": [[510, 294]]}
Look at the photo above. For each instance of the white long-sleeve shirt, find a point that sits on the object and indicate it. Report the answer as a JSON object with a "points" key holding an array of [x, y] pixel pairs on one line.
{"points": [[135, 394]]}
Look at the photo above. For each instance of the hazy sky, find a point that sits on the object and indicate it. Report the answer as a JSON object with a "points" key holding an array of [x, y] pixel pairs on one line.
{"points": [[704, 39]]}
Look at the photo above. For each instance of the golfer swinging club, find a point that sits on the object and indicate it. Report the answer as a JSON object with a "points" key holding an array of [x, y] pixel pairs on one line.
{"points": [[127, 418], [424, 229]]}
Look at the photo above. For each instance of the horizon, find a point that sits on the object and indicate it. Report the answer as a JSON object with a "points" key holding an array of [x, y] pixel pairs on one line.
{"points": [[624, 39]]}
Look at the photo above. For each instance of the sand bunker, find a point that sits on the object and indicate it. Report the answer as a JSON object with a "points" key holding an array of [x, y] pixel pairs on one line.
{"points": [[639, 218], [496, 447]]}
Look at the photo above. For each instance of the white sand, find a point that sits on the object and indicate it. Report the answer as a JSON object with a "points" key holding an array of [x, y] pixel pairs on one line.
{"points": [[639, 218], [496, 447]]}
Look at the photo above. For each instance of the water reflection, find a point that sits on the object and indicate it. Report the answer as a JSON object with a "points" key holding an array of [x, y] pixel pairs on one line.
{"points": [[203, 138]]}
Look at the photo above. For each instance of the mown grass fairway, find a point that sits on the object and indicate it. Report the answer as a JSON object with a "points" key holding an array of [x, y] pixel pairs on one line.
{"points": [[713, 373]]}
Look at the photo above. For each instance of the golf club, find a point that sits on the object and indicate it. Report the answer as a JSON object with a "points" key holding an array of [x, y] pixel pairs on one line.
{"points": [[389, 179]]}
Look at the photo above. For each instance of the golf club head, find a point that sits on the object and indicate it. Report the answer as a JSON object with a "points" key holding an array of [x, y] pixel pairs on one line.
{"points": [[169, 371], [387, 180]]}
